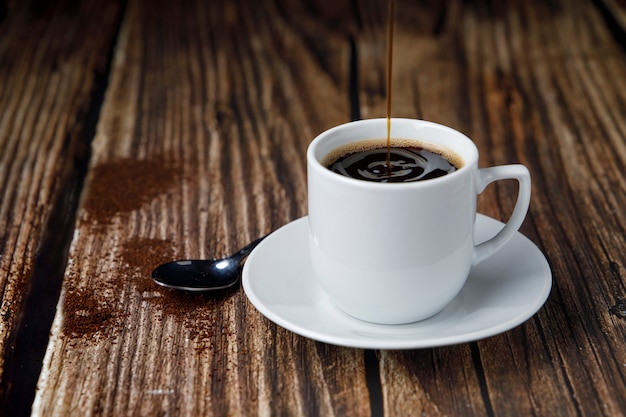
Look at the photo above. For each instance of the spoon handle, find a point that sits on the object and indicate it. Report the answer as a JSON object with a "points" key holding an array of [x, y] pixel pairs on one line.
{"points": [[243, 252]]}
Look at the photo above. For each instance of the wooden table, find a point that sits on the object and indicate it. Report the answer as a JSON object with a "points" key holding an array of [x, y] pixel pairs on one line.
{"points": [[133, 133]]}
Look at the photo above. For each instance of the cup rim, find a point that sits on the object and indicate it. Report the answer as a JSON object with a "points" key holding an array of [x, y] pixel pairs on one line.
{"points": [[314, 161]]}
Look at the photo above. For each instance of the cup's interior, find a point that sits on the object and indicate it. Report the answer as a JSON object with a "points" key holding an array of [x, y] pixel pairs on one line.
{"points": [[420, 131]]}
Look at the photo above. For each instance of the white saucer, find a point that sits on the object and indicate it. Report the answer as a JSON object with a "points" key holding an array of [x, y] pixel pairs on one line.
{"points": [[501, 293]]}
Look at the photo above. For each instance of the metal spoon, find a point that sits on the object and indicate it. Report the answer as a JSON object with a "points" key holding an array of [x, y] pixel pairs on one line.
{"points": [[203, 275]]}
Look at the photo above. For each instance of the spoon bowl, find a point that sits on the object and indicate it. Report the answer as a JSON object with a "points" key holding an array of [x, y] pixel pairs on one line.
{"points": [[203, 274]]}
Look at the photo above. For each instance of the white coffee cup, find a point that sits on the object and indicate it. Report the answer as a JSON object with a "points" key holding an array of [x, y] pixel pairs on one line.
{"points": [[394, 253]]}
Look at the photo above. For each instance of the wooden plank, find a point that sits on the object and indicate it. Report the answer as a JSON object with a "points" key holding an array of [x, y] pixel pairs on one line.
{"points": [[51, 56], [200, 149], [615, 12], [541, 84]]}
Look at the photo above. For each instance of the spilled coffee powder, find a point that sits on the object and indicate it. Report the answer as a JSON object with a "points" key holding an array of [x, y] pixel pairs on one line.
{"points": [[192, 311], [116, 189], [92, 314], [140, 256], [124, 185], [87, 313]]}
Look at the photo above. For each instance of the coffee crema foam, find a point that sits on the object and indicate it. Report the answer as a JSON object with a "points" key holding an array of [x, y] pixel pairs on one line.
{"points": [[410, 161]]}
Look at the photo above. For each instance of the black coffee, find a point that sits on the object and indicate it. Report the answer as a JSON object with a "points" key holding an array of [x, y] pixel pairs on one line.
{"points": [[406, 163]]}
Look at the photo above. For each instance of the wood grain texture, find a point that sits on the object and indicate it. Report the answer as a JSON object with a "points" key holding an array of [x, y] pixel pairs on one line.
{"points": [[544, 85], [50, 58], [200, 148], [219, 102], [616, 12]]}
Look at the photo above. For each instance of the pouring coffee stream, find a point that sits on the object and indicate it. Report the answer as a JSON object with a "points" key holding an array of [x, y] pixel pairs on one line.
{"points": [[390, 20], [203, 275]]}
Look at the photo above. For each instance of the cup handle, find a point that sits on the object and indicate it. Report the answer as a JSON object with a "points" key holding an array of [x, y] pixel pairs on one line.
{"points": [[485, 177]]}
